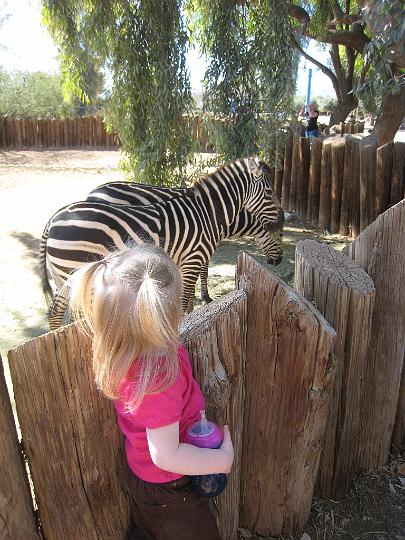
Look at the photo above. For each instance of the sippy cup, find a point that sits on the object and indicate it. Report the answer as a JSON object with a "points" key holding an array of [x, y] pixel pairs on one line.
{"points": [[205, 434]]}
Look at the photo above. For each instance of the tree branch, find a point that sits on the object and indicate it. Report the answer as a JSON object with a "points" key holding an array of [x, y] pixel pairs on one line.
{"points": [[323, 68], [355, 38]]}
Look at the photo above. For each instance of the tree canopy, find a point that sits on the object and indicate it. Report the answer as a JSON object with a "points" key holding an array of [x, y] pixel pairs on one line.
{"points": [[248, 84]]}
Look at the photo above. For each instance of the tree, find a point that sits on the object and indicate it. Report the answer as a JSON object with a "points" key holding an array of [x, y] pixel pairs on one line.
{"points": [[363, 41], [31, 95], [250, 80], [144, 44]]}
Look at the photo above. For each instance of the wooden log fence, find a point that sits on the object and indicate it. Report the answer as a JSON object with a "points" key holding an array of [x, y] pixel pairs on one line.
{"points": [[341, 183], [263, 357], [75, 451], [56, 132], [86, 131]]}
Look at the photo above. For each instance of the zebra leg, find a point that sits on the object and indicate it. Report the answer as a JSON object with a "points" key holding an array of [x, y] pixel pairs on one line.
{"points": [[189, 281], [204, 284]]}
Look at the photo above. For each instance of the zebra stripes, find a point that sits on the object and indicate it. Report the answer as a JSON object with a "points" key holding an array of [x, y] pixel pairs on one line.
{"points": [[133, 194], [188, 227]]}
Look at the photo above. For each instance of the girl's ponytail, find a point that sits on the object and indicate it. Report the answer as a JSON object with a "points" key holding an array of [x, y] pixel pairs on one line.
{"points": [[81, 287]]}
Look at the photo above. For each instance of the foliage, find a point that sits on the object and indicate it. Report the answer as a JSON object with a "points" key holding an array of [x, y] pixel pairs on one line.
{"points": [[386, 24], [144, 45], [249, 84], [31, 95]]}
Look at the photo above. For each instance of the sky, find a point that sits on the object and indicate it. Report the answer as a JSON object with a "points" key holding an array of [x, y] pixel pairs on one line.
{"points": [[30, 48]]}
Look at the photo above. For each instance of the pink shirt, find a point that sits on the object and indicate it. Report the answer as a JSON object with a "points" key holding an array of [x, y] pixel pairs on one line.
{"points": [[181, 402]]}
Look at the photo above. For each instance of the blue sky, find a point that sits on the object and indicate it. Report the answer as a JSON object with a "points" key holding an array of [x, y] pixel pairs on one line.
{"points": [[30, 48]]}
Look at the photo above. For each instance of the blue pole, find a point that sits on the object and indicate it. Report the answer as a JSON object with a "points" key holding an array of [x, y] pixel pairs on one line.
{"points": [[309, 87]]}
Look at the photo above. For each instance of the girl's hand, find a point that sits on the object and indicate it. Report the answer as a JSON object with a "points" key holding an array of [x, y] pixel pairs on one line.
{"points": [[227, 448]]}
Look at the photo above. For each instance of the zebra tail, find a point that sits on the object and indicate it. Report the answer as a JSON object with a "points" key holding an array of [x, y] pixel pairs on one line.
{"points": [[46, 286]]}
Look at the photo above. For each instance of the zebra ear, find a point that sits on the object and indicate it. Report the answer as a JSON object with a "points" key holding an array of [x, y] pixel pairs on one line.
{"points": [[253, 166]]}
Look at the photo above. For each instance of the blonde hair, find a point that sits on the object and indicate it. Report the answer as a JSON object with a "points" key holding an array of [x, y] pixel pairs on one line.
{"points": [[130, 302]]}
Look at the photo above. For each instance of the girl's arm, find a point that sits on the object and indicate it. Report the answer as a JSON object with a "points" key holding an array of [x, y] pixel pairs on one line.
{"points": [[170, 455]]}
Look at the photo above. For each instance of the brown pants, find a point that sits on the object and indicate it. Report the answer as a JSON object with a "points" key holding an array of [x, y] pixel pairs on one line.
{"points": [[171, 511]]}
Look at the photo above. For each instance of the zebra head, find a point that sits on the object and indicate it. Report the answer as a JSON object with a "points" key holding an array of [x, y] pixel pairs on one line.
{"points": [[260, 199], [271, 244]]}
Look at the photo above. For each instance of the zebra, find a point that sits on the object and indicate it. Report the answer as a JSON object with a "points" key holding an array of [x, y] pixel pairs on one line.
{"points": [[135, 194], [187, 227]]}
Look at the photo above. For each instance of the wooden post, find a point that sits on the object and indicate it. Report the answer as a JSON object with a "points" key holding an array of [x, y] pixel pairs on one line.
{"points": [[285, 192], [57, 132], [18, 135], [99, 130], [380, 251], [278, 173], [347, 179], [3, 132], [23, 133], [314, 181], [326, 186], [354, 186], [71, 438], [398, 173], [295, 167], [10, 132], [289, 376], [215, 337], [303, 177], [368, 157], [398, 436], [338, 158], [383, 178], [344, 294], [17, 512]]}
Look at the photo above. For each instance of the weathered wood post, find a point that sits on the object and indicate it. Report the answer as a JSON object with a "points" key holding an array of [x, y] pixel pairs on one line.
{"points": [[71, 438], [289, 375], [303, 176], [278, 171], [338, 157], [215, 337], [326, 186], [379, 250], [354, 185], [285, 192], [368, 157], [398, 173], [383, 178], [17, 511], [344, 294], [314, 181], [295, 166]]}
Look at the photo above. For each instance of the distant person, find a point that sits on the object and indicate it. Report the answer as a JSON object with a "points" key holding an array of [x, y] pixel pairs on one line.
{"points": [[312, 120]]}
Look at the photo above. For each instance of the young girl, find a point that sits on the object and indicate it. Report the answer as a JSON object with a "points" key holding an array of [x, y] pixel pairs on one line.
{"points": [[131, 304]]}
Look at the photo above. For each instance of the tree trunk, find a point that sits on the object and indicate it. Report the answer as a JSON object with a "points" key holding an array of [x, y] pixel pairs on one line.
{"points": [[342, 109], [390, 117]]}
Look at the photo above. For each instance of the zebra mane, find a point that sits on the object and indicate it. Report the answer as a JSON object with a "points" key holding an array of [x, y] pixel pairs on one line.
{"points": [[207, 176]]}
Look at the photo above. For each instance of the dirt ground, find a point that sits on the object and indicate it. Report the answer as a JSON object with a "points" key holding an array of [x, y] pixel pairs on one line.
{"points": [[34, 184]]}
